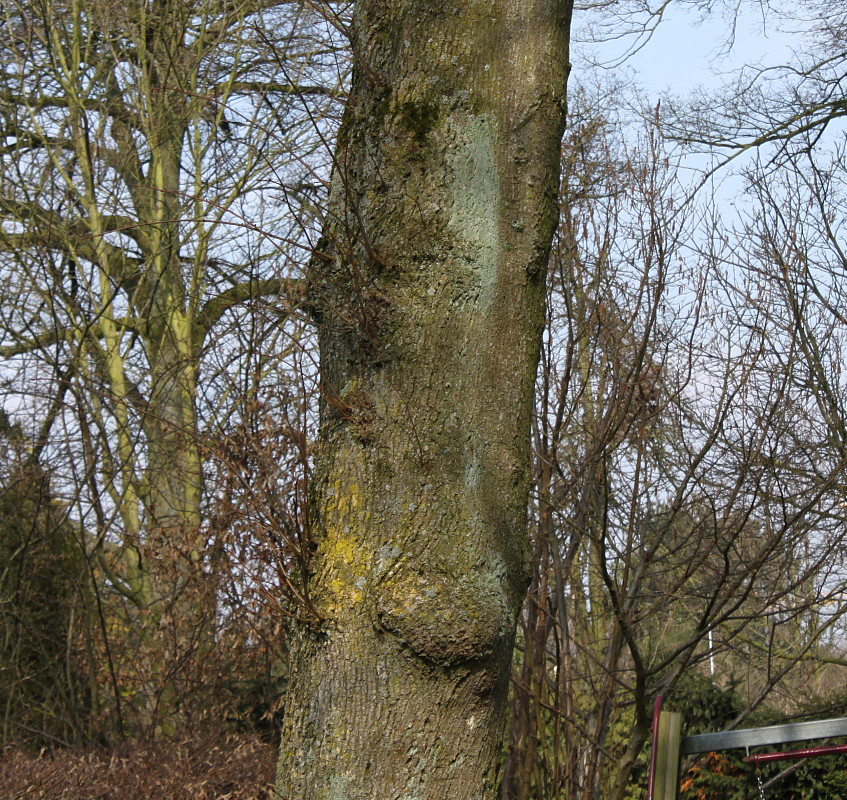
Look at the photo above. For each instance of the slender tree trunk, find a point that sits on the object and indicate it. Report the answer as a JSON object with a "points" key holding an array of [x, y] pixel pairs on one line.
{"points": [[177, 619], [430, 306], [529, 689]]}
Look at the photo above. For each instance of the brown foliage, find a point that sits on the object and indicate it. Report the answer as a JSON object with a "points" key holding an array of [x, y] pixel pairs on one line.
{"points": [[210, 768]]}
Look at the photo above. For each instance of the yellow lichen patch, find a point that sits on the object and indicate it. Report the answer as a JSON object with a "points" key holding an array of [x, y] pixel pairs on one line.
{"points": [[342, 549], [345, 559]]}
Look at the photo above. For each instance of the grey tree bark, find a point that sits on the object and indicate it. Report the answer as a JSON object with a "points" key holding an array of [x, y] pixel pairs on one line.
{"points": [[429, 296]]}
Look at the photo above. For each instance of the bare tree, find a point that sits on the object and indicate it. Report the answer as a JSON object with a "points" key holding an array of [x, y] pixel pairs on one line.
{"points": [[146, 149], [687, 517]]}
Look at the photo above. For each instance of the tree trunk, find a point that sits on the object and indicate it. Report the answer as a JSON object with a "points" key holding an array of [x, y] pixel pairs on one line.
{"points": [[429, 299]]}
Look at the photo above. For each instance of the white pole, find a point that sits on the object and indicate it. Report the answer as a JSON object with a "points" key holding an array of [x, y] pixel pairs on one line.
{"points": [[711, 656]]}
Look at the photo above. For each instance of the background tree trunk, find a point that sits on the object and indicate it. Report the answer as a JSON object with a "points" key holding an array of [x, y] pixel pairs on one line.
{"points": [[430, 304]]}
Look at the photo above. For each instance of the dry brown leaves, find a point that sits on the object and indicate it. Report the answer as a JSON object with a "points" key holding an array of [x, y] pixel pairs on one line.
{"points": [[225, 768]]}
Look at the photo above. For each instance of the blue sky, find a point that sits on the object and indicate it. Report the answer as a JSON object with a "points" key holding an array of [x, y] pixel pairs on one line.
{"points": [[686, 51]]}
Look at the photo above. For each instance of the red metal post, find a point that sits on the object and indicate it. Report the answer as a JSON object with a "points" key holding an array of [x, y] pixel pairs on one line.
{"points": [[651, 772]]}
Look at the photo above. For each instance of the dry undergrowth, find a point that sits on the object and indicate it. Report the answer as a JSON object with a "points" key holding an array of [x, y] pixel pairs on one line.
{"points": [[225, 768]]}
